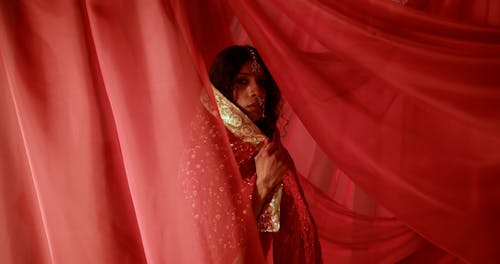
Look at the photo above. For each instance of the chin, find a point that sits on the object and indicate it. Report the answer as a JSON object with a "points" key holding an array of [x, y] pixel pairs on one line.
{"points": [[255, 117]]}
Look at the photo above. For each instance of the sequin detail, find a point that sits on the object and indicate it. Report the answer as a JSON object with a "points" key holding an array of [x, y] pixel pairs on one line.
{"points": [[269, 218], [221, 225], [245, 131], [222, 211]]}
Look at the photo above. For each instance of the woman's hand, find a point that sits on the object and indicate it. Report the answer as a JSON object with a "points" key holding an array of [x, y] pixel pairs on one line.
{"points": [[271, 164]]}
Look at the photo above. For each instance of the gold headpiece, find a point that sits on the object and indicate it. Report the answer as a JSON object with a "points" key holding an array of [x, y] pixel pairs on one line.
{"points": [[255, 65]]}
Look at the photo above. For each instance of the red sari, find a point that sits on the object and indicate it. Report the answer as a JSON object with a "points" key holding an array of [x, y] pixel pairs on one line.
{"points": [[287, 231]]}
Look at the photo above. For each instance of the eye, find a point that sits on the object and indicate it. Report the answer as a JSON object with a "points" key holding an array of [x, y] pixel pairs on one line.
{"points": [[262, 82], [242, 81]]}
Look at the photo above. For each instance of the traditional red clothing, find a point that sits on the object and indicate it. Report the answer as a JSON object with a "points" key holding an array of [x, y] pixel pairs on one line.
{"points": [[288, 233]]}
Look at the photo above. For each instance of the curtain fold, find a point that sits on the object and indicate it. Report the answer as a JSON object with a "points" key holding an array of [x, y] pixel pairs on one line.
{"points": [[406, 115], [97, 100], [30, 233]]}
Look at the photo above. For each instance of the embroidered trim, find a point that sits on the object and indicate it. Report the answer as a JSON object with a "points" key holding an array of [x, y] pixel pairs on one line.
{"points": [[269, 219], [240, 125], [234, 119]]}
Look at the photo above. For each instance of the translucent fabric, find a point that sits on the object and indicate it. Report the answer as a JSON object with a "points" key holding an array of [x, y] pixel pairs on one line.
{"points": [[97, 102], [403, 102], [398, 99]]}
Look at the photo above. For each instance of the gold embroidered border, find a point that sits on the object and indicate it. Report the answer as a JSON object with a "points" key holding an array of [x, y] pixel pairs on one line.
{"points": [[242, 126], [234, 119], [270, 222]]}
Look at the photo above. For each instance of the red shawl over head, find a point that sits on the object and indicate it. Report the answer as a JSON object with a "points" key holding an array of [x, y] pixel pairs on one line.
{"points": [[288, 233]]}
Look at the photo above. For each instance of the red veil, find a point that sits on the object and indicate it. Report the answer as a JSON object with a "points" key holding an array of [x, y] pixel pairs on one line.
{"points": [[394, 109], [287, 231]]}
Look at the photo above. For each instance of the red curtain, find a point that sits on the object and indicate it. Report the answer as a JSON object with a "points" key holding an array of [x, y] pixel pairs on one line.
{"points": [[399, 103]]}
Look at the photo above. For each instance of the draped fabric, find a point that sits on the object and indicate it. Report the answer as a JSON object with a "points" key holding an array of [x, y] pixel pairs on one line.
{"points": [[393, 119], [295, 227]]}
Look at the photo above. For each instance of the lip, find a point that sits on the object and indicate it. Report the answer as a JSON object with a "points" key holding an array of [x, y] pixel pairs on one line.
{"points": [[256, 104], [253, 106]]}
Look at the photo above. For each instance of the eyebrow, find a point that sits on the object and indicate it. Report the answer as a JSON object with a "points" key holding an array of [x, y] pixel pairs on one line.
{"points": [[262, 76]]}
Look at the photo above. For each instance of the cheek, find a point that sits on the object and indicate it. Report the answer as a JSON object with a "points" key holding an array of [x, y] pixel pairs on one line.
{"points": [[238, 95], [235, 94]]}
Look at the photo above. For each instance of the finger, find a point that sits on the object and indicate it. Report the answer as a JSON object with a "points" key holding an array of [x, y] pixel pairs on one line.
{"points": [[273, 147], [284, 161], [261, 151], [277, 155], [264, 144], [282, 153], [264, 151], [258, 155]]}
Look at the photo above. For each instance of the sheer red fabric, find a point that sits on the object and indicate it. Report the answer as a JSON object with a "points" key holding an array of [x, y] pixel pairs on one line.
{"points": [[221, 208], [405, 104], [401, 97], [296, 227]]}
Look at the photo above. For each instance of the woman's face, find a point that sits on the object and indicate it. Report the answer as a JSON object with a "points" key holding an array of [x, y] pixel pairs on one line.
{"points": [[249, 92]]}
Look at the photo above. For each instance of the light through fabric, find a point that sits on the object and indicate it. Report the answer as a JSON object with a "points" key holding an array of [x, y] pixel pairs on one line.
{"points": [[391, 117]]}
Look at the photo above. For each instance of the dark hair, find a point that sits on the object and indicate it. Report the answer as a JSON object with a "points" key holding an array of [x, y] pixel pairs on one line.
{"points": [[227, 64]]}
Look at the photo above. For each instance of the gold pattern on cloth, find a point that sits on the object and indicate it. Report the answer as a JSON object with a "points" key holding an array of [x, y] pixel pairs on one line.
{"points": [[239, 124], [234, 119], [269, 219]]}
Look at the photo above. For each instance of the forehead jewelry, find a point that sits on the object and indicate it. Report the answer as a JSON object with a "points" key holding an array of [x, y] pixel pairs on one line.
{"points": [[254, 66]]}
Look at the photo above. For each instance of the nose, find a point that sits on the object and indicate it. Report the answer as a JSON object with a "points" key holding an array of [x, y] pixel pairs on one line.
{"points": [[256, 90]]}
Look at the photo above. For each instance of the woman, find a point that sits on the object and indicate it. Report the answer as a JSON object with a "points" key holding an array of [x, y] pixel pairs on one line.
{"points": [[247, 100]]}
